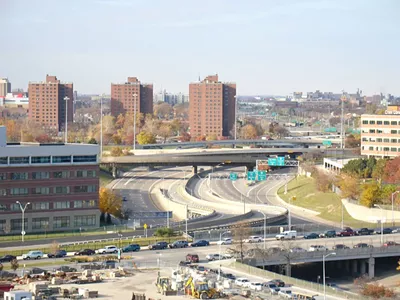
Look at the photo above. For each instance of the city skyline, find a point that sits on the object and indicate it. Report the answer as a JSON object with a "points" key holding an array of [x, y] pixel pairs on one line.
{"points": [[266, 47]]}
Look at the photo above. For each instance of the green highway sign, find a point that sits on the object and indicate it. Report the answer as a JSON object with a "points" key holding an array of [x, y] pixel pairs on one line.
{"points": [[281, 161], [272, 161], [233, 176], [327, 143], [251, 175], [262, 175], [278, 161]]}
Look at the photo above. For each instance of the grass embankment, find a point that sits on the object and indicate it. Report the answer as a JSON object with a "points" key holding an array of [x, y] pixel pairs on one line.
{"points": [[99, 245], [328, 204]]}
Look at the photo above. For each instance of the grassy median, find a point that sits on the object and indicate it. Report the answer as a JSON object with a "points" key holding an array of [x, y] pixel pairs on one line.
{"points": [[328, 204]]}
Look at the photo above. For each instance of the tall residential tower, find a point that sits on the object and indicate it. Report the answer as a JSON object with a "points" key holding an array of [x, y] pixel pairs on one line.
{"points": [[212, 107], [5, 87]]}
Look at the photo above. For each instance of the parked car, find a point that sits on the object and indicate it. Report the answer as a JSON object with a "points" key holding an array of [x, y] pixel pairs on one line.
{"points": [[225, 241], [158, 246], [193, 258], [314, 248], [33, 255], [362, 245], [287, 235], [340, 247], [253, 239], [108, 264], [131, 248], [211, 257], [85, 252], [390, 243], [284, 293], [271, 288], [7, 258], [364, 231], [241, 281], [347, 231], [328, 234], [297, 250], [278, 282], [311, 236], [229, 276], [57, 254], [200, 243], [255, 286], [385, 231], [178, 244], [107, 250], [65, 269]]}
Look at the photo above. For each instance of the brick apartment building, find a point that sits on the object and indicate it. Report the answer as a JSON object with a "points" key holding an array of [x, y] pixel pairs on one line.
{"points": [[211, 107], [60, 183], [47, 105], [124, 95], [380, 134]]}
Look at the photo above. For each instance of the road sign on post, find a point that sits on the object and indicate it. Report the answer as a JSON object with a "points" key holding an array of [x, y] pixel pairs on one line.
{"points": [[280, 161], [262, 175], [251, 175], [233, 176]]}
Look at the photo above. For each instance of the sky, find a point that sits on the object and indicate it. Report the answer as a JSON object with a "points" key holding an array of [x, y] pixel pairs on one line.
{"points": [[265, 46]]}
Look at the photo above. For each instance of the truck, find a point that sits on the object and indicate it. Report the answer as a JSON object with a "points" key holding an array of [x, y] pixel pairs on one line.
{"points": [[286, 235]]}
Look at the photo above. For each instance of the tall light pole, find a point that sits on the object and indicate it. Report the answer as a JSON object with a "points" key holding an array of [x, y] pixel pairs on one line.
{"points": [[101, 127], [66, 99], [323, 270], [394, 193], [134, 121], [23, 218], [265, 226], [221, 234], [289, 212], [186, 221], [376, 205], [343, 98], [210, 175]]}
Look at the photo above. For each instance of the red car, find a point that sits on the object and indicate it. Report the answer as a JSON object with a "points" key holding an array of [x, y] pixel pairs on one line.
{"points": [[346, 232], [391, 243]]}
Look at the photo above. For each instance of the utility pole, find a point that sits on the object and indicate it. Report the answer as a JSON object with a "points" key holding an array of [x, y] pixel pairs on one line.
{"points": [[343, 98]]}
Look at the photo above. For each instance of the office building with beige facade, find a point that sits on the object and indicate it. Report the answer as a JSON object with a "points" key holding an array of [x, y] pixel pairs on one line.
{"points": [[59, 184], [380, 134]]}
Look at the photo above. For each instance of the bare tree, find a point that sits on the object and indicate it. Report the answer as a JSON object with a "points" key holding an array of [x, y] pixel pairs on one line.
{"points": [[240, 233], [54, 247]]}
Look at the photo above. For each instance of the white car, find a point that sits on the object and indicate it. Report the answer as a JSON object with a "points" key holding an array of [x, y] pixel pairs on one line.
{"points": [[314, 248], [211, 257], [285, 294], [225, 241], [33, 255], [227, 255], [287, 235], [107, 250], [253, 239], [298, 250], [241, 281], [256, 286]]}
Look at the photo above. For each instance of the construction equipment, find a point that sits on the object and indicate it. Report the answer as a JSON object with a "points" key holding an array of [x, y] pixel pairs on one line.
{"points": [[163, 285], [200, 290]]}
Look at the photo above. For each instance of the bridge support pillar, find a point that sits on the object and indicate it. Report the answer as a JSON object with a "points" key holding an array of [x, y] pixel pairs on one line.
{"points": [[288, 270], [194, 169], [354, 264], [150, 168], [114, 172], [347, 266], [371, 267], [363, 267]]}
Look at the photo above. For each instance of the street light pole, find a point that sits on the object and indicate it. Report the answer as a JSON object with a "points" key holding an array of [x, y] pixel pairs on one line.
{"points": [[23, 218], [323, 270], [134, 121], [221, 234], [235, 119], [376, 205], [394, 193], [66, 120], [265, 226], [101, 127]]}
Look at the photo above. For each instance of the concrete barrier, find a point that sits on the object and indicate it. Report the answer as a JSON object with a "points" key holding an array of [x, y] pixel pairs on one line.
{"points": [[370, 215]]}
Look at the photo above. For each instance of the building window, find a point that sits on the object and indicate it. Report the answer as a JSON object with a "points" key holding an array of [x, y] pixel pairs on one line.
{"points": [[3, 161], [19, 176], [84, 203], [372, 122], [85, 189], [19, 191], [393, 123], [89, 174], [61, 222], [85, 158], [386, 140], [386, 123], [371, 148], [393, 149], [61, 159], [41, 191], [40, 223], [365, 122], [3, 226], [16, 224], [85, 221], [372, 131], [393, 131], [40, 159], [19, 160], [61, 190], [393, 140], [61, 174], [3, 176], [385, 148], [379, 122], [40, 206], [3, 192], [40, 175], [61, 205]]}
